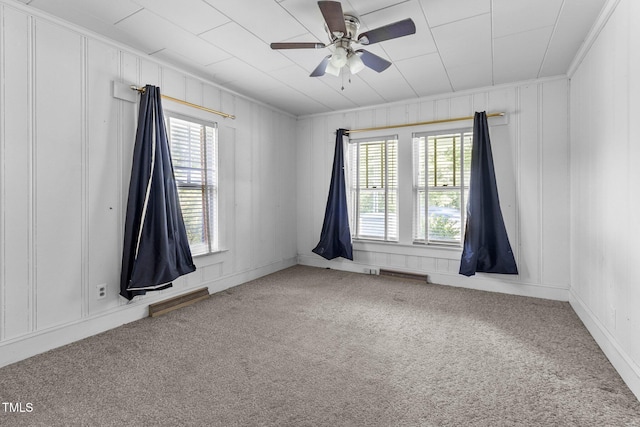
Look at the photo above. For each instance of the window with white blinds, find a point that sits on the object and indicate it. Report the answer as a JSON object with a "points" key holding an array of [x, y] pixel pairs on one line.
{"points": [[374, 188], [194, 152], [441, 184]]}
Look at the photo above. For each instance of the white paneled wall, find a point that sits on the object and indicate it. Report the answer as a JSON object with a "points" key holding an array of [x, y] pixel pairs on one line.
{"points": [[605, 178], [66, 148], [530, 149]]}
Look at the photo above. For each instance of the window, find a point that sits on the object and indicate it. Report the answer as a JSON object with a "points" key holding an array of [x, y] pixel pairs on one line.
{"points": [[374, 188], [441, 184], [194, 152]]}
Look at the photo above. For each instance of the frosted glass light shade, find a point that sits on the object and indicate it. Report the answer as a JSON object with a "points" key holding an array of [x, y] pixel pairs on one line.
{"points": [[331, 69], [339, 57], [355, 63]]}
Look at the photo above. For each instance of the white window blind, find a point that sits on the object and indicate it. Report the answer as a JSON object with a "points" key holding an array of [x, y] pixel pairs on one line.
{"points": [[374, 188], [195, 162], [441, 185]]}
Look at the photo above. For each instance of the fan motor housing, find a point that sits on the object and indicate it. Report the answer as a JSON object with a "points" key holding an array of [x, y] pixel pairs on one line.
{"points": [[352, 23]]}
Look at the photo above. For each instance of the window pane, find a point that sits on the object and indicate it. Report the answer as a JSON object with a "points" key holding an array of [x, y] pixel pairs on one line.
{"points": [[371, 214], [392, 215], [419, 162], [371, 165], [419, 229], [444, 216], [374, 182], [444, 160], [468, 143], [193, 152]]}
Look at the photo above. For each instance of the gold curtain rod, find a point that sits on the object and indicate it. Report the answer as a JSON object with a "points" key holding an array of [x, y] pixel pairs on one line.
{"points": [[457, 119], [189, 104]]}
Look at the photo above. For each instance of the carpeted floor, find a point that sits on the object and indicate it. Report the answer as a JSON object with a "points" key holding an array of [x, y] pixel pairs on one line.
{"points": [[314, 347]]}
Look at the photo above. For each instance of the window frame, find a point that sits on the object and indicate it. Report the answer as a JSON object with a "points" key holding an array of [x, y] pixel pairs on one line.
{"points": [[355, 189], [211, 210], [427, 189]]}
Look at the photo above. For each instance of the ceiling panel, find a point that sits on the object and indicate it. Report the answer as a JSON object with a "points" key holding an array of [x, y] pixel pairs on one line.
{"points": [[110, 11], [519, 56], [248, 79], [245, 46], [425, 74], [576, 18], [265, 19], [227, 70], [364, 7], [308, 15], [409, 46], [459, 44], [357, 90], [324, 89], [440, 12], [469, 76], [516, 16], [464, 42], [140, 29], [285, 97], [194, 16], [391, 84], [198, 51]]}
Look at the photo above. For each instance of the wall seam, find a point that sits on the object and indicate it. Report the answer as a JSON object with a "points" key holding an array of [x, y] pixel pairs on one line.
{"points": [[2, 177], [517, 131], [32, 141], [119, 160], [84, 185], [540, 181]]}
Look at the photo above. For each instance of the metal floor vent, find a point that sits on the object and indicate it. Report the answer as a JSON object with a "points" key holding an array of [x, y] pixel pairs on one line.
{"points": [[163, 307], [405, 275]]}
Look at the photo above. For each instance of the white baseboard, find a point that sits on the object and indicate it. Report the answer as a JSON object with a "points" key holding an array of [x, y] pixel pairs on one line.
{"points": [[482, 282], [26, 346], [626, 367]]}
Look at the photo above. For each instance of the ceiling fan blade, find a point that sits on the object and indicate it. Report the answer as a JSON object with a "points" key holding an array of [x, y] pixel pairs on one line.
{"points": [[297, 45], [388, 32], [373, 61], [320, 69], [333, 16]]}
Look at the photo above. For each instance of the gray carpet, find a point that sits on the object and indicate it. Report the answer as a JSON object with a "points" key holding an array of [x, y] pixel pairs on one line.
{"points": [[314, 347]]}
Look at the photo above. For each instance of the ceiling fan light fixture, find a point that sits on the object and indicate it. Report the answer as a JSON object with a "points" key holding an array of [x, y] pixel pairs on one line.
{"points": [[339, 57], [332, 69], [355, 63]]}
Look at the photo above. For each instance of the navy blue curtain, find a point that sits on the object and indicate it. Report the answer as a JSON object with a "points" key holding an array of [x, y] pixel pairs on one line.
{"points": [[156, 248], [335, 238], [486, 244]]}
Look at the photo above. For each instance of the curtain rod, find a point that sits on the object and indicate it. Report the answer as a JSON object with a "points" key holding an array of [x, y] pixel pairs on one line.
{"points": [[189, 104], [456, 119]]}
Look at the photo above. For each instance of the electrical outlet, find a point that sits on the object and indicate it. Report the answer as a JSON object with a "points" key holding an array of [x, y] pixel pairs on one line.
{"points": [[101, 291]]}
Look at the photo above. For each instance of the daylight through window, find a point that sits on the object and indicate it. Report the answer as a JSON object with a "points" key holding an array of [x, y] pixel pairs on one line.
{"points": [[441, 185], [374, 188], [194, 152]]}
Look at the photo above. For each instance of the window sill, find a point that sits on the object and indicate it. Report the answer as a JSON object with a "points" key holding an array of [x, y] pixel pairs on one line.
{"points": [[412, 249], [210, 258]]}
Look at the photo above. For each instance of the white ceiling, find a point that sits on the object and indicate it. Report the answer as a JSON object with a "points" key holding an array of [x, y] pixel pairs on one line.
{"points": [[459, 44]]}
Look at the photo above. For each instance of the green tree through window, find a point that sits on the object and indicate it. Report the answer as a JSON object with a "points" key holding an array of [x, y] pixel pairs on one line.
{"points": [[441, 185]]}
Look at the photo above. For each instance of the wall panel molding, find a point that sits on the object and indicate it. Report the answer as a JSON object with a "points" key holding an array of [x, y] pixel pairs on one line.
{"points": [[68, 144], [518, 146]]}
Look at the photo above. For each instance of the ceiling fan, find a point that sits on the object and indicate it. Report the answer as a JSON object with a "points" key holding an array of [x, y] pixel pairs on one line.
{"points": [[343, 32]]}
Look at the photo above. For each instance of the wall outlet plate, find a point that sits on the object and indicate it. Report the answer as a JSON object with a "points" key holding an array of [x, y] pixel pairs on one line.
{"points": [[101, 291]]}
